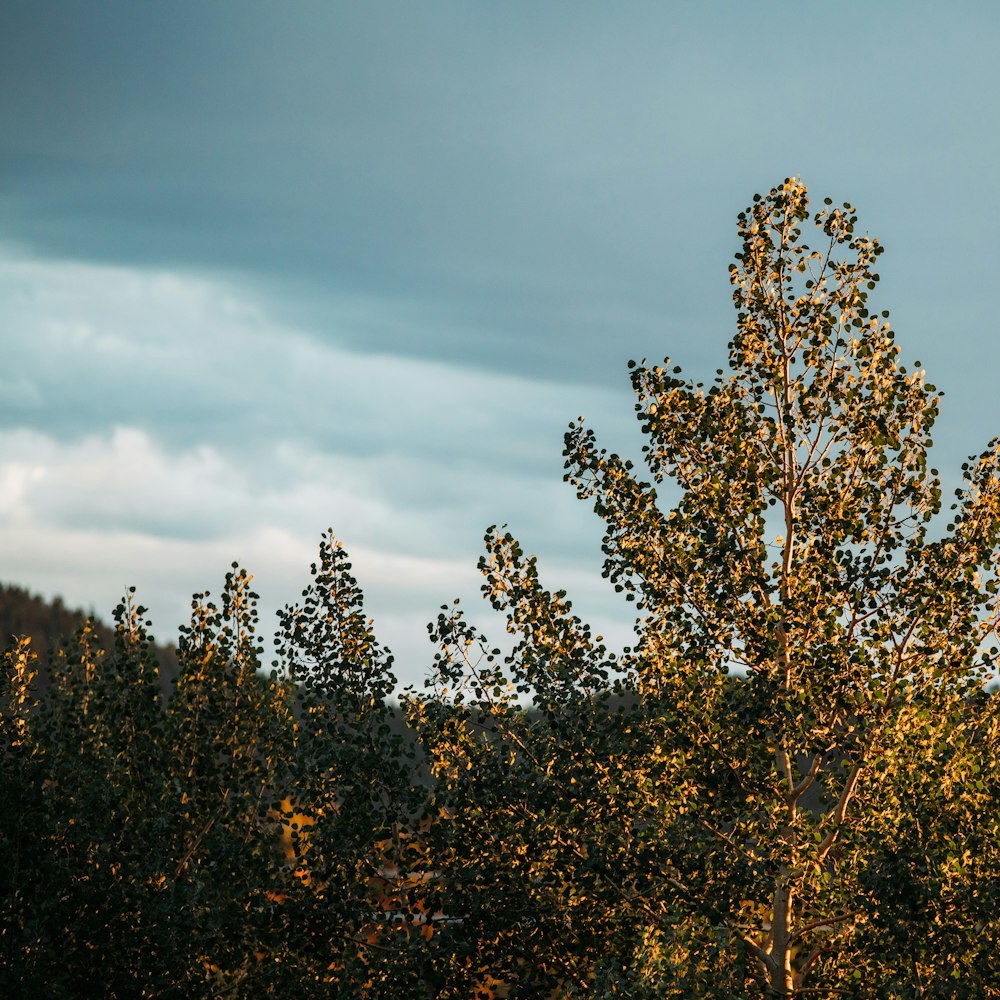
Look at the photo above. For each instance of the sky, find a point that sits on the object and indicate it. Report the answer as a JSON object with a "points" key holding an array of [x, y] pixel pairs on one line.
{"points": [[268, 269]]}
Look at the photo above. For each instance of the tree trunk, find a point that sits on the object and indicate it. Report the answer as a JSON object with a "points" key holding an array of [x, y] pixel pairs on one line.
{"points": [[780, 975]]}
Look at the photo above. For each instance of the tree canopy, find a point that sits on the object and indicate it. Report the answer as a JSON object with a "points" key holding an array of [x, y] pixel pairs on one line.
{"points": [[785, 787]]}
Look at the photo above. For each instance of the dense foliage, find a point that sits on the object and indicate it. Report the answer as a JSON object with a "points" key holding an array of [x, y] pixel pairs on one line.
{"points": [[785, 788]]}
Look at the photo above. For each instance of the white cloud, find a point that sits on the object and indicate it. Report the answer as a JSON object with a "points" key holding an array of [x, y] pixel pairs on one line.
{"points": [[161, 426]]}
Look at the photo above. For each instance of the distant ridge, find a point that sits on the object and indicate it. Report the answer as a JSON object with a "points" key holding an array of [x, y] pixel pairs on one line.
{"points": [[49, 623]]}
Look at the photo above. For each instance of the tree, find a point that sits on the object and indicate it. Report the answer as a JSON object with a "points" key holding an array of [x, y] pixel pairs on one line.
{"points": [[356, 805], [21, 776], [801, 799], [229, 734], [92, 776]]}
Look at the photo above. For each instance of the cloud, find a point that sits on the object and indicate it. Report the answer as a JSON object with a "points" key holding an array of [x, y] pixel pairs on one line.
{"points": [[171, 524], [515, 191]]}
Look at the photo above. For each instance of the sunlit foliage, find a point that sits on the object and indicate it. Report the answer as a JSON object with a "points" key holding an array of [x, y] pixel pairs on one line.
{"points": [[794, 791]]}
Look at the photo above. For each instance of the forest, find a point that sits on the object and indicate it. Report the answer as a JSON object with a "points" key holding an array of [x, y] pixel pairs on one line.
{"points": [[786, 787]]}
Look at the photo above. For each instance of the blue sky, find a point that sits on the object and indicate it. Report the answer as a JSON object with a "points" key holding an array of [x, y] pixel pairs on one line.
{"points": [[266, 269]]}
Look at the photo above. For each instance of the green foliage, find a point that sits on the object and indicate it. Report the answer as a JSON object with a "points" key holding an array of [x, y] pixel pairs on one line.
{"points": [[151, 859], [353, 783], [785, 788], [239, 837]]}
